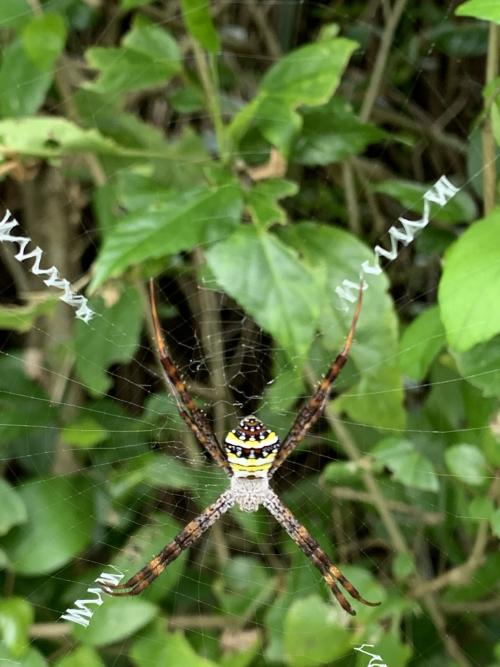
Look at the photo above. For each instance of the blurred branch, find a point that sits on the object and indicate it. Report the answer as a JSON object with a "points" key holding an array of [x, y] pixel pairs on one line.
{"points": [[346, 493], [487, 137], [381, 60]]}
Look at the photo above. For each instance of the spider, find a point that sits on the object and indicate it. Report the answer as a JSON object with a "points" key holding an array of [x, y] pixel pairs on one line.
{"points": [[252, 453]]}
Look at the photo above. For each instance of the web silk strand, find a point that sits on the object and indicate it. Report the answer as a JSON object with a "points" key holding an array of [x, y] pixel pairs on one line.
{"points": [[440, 193], [76, 301]]}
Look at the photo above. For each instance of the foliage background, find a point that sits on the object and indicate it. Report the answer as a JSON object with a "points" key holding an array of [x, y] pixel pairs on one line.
{"points": [[249, 155]]}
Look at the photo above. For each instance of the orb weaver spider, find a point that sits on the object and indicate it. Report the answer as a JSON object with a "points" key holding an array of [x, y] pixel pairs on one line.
{"points": [[252, 453]]}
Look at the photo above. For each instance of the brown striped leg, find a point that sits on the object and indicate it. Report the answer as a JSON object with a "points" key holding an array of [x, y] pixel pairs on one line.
{"points": [[190, 413], [301, 536], [187, 537], [311, 411]]}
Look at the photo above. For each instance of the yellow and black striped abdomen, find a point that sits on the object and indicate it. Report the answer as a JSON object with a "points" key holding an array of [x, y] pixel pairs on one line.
{"points": [[251, 448]]}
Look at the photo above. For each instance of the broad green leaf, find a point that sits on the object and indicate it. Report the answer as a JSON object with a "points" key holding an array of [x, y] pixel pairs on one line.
{"points": [[403, 565], [406, 463], [161, 471], [149, 56], [341, 472], [377, 398], [83, 656], [468, 291], [495, 522], [262, 201], [487, 10], [481, 366], [158, 647], [43, 39], [331, 133], [143, 545], [184, 221], [21, 318], [16, 616], [467, 462], [14, 13], [460, 208], [242, 581], [24, 86], [480, 508], [391, 651], [196, 15], [12, 508], [309, 75], [32, 658], [85, 432], [51, 137], [114, 338], [116, 619], [61, 517], [271, 283], [420, 343], [23, 403], [314, 634]]}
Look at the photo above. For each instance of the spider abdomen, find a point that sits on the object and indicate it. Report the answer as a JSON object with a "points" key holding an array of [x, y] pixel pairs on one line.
{"points": [[251, 448]]}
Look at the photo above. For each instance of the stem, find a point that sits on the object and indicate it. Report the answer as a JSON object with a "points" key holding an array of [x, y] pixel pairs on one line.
{"points": [[488, 140], [381, 60], [210, 80]]}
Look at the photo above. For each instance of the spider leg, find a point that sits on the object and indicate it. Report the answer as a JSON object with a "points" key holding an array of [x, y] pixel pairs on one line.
{"points": [[190, 413], [306, 542], [187, 537], [311, 411]]}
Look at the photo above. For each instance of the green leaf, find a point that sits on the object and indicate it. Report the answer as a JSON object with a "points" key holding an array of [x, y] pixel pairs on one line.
{"points": [[196, 15], [84, 432], [262, 201], [331, 133], [23, 403], [495, 522], [243, 581], [314, 634], [24, 86], [115, 337], [403, 565], [12, 508], [14, 13], [420, 343], [406, 463], [115, 620], [30, 659], [377, 398], [44, 38], [481, 366], [467, 462], [271, 283], [149, 56], [125, 5], [487, 10], [163, 648], [146, 542], [83, 656], [184, 221], [160, 471], [468, 291], [480, 508], [309, 75], [460, 208], [341, 472], [16, 616], [21, 318], [51, 137], [61, 517]]}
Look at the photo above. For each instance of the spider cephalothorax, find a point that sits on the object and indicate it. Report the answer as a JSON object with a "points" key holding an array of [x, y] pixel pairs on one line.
{"points": [[250, 456], [251, 448]]}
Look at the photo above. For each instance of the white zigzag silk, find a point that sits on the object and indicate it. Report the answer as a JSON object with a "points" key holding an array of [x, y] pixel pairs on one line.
{"points": [[77, 301], [440, 193]]}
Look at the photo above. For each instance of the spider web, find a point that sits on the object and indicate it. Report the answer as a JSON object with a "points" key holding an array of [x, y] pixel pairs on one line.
{"points": [[142, 432]]}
